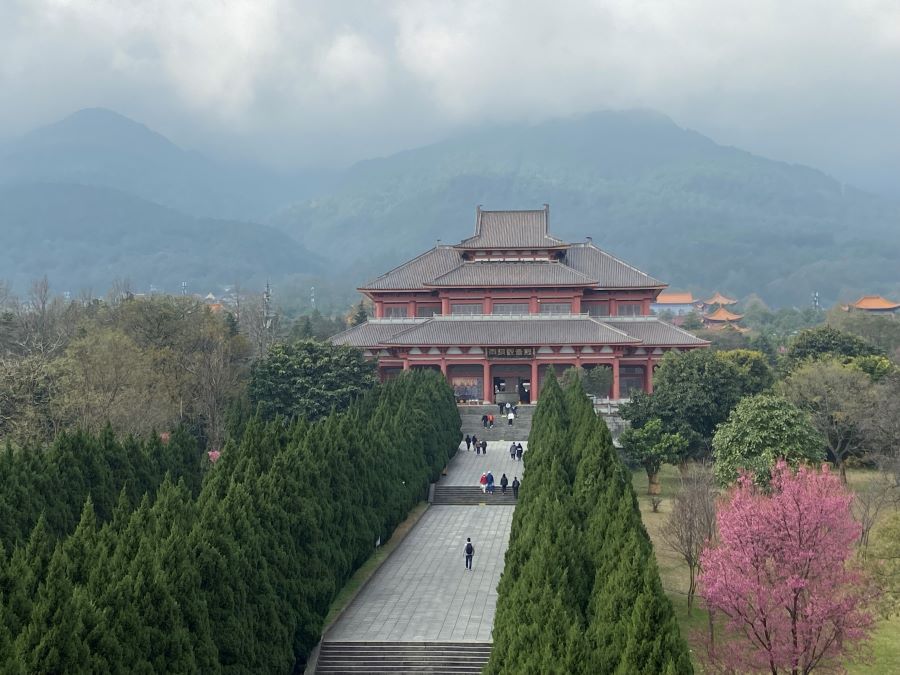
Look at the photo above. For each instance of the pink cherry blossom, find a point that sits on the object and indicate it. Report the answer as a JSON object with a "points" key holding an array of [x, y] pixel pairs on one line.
{"points": [[781, 573]]}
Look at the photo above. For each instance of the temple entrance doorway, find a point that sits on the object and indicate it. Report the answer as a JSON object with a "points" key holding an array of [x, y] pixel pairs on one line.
{"points": [[511, 383], [467, 381]]}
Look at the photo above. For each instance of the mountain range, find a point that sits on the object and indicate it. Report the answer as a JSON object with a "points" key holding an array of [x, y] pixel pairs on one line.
{"points": [[98, 196]]}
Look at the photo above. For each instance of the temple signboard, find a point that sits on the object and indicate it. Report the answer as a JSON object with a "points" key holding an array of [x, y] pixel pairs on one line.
{"points": [[510, 352]]}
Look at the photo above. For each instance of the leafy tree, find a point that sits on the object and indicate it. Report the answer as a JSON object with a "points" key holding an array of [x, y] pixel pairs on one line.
{"points": [[650, 446], [840, 400], [692, 393], [883, 561], [308, 379], [825, 341], [754, 368], [360, 314], [790, 551], [761, 430]]}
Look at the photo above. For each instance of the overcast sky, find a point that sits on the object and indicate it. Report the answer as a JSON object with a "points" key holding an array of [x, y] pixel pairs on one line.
{"points": [[308, 82]]}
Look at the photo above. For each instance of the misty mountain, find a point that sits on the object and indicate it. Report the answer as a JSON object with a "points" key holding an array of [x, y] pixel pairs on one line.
{"points": [[670, 201], [102, 148], [86, 237]]}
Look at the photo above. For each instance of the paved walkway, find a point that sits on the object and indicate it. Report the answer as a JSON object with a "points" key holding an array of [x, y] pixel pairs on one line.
{"points": [[423, 592], [466, 467]]}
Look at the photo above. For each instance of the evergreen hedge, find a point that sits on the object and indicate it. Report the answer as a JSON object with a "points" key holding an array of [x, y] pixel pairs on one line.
{"points": [[240, 578], [580, 592]]}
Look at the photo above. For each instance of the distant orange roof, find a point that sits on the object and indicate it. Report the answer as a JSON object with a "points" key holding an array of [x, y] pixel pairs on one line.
{"points": [[723, 314], [675, 298], [719, 299], [874, 302]]}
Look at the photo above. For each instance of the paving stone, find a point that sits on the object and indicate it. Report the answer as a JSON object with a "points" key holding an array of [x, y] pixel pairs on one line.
{"points": [[466, 467]]}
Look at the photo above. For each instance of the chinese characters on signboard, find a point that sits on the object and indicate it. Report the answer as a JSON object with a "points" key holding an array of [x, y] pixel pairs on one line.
{"points": [[510, 352]]}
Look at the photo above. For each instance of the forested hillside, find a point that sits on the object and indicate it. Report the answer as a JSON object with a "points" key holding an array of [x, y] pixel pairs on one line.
{"points": [[670, 201], [84, 237]]}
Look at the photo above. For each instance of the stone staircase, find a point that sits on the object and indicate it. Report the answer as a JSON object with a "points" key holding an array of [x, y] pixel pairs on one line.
{"points": [[443, 658], [466, 495], [471, 423]]}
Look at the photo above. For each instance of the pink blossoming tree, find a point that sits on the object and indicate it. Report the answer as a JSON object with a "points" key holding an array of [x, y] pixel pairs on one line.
{"points": [[781, 575]]}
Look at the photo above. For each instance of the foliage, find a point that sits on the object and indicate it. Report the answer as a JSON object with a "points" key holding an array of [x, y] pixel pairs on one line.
{"points": [[239, 578], [650, 446], [883, 558], [876, 367], [761, 430], [828, 342], [880, 330], [692, 393], [307, 379], [580, 591], [781, 575], [754, 367], [840, 401], [595, 381]]}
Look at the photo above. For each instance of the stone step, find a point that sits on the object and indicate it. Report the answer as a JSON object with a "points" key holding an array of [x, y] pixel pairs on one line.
{"points": [[464, 495], [403, 657]]}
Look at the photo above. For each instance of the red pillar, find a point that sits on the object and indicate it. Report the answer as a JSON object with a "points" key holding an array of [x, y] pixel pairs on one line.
{"points": [[445, 306], [613, 307], [534, 381], [533, 305], [405, 364], [488, 385], [411, 309], [576, 305], [379, 309], [487, 306], [648, 375], [444, 366], [615, 388]]}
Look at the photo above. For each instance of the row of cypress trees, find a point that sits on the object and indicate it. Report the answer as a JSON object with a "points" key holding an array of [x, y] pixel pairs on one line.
{"points": [[580, 591], [240, 578]]}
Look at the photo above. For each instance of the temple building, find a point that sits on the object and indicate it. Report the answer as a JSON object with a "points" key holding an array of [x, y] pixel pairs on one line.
{"points": [[873, 304], [722, 318], [676, 303], [498, 311]]}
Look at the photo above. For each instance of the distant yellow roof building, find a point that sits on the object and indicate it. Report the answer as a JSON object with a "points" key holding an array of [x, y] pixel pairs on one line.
{"points": [[873, 303], [673, 298], [719, 299]]}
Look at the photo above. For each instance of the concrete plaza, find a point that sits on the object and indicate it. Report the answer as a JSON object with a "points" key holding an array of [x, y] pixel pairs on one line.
{"points": [[466, 467]]}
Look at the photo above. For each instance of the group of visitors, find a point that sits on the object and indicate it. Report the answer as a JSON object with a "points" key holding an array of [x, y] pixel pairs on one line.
{"points": [[487, 421], [515, 451], [480, 446], [487, 484]]}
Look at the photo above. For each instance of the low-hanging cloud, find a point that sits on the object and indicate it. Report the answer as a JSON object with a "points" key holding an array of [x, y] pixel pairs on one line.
{"points": [[313, 81]]}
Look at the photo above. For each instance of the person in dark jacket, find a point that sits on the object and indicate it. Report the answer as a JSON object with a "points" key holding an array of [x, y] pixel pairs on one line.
{"points": [[484, 421], [476, 443], [515, 487], [504, 481], [470, 553], [512, 450], [519, 451], [468, 442], [483, 447]]}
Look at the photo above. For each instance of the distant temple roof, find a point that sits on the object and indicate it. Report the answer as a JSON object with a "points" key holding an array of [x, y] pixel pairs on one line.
{"points": [[672, 298], [500, 235], [874, 303], [722, 314], [719, 299], [576, 329]]}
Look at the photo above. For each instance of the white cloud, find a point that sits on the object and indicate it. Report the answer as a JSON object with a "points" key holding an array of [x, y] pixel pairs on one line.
{"points": [[784, 77]]}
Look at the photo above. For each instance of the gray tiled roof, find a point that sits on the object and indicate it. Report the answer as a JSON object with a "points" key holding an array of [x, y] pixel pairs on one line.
{"points": [[507, 274], [607, 270], [653, 331], [488, 331], [511, 229], [418, 271], [374, 332]]}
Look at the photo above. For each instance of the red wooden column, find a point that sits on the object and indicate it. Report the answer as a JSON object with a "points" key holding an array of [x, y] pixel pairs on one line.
{"points": [[615, 387], [443, 366], [445, 306], [488, 385], [405, 364], [648, 377], [411, 309], [379, 309], [576, 305], [533, 305], [534, 381], [487, 305]]}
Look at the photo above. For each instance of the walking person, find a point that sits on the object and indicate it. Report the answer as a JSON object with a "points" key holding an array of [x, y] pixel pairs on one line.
{"points": [[510, 416], [490, 482], [468, 442], [484, 420], [512, 450], [476, 443], [483, 482], [519, 451], [490, 421], [504, 481], [500, 407], [515, 487], [470, 553], [508, 407], [483, 447]]}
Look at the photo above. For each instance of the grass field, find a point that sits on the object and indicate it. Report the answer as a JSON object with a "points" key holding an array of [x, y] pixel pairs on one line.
{"points": [[885, 644]]}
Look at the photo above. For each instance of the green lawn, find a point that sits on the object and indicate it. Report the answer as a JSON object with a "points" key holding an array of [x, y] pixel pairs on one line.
{"points": [[885, 644]]}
